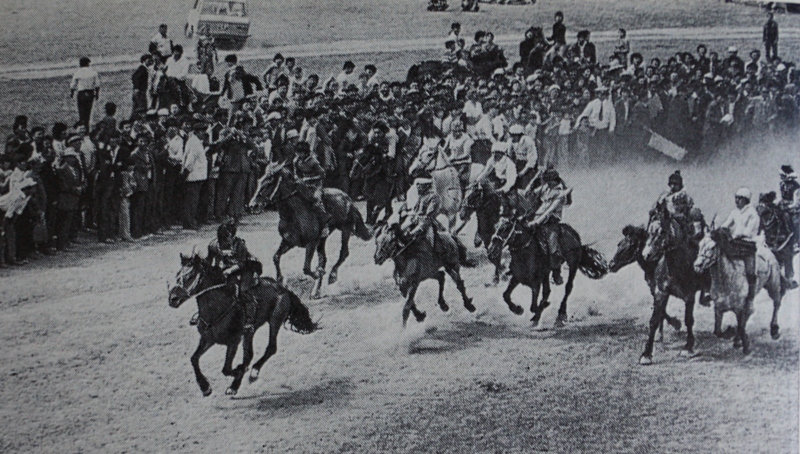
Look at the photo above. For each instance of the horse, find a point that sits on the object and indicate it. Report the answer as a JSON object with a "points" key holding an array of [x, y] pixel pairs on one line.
{"points": [[379, 188], [729, 284], [778, 234], [672, 275], [416, 261], [486, 204], [432, 160], [221, 317], [300, 226], [530, 265], [629, 250]]}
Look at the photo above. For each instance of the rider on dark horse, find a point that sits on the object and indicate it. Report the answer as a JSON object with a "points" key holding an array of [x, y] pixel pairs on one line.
{"points": [[743, 223], [310, 174], [229, 253], [500, 175], [551, 198], [790, 199]]}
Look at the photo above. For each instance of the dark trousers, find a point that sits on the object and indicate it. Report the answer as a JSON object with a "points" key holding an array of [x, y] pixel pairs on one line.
{"points": [[106, 214], [771, 50], [600, 148], [207, 199], [139, 102], [191, 203], [172, 195], [85, 102], [230, 194], [66, 218], [138, 200]]}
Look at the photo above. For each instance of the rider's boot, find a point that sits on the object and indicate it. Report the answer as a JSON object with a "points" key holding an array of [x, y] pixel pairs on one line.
{"points": [[752, 278], [705, 290], [325, 217], [555, 263], [557, 279], [249, 304]]}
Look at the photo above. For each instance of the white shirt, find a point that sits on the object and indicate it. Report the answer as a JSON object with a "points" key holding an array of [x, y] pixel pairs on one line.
{"points": [[504, 169], [499, 125], [473, 110], [85, 79], [175, 148], [194, 159], [89, 152], [178, 69], [459, 149], [524, 150], [345, 80], [743, 223], [163, 44], [484, 129], [593, 112], [373, 81]]}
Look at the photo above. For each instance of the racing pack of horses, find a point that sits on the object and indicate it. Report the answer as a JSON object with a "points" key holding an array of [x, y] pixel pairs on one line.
{"points": [[671, 265]]}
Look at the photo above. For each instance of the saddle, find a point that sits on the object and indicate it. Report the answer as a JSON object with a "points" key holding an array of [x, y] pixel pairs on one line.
{"points": [[735, 249]]}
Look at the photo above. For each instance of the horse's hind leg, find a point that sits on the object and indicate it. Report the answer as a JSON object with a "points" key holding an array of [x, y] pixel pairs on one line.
{"points": [[238, 373], [411, 307], [659, 309], [774, 291], [741, 318], [561, 318], [319, 274], [230, 354], [203, 347], [512, 284], [276, 259], [272, 347], [456, 276], [689, 321], [536, 308], [442, 303], [344, 252]]}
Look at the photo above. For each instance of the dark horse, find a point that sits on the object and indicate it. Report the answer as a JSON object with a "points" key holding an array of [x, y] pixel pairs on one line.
{"points": [[300, 226], [669, 271], [530, 266], [221, 317], [416, 261], [777, 228], [379, 185], [486, 205]]}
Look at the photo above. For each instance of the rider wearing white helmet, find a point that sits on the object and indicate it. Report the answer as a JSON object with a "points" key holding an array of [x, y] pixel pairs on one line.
{"points": [[743, 223]]}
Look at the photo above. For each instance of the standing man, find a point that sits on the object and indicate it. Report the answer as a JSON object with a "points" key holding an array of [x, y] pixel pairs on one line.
{"points": [[161, 45], [86, 83], [234, 167], [771, 37], [195, 171], [141, 83], [603, 120]]}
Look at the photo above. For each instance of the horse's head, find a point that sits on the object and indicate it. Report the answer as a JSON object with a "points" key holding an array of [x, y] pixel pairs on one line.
{"points": [[506, 234], [268, 185], [629, 249], [707, 255], [659, 232], [188, 280], [387, 243], [766, 208]]}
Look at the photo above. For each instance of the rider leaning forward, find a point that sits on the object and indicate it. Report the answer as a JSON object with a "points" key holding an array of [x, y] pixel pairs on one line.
{"points": [[229, 253], [310, 173], [501, 174], [552, 196]]}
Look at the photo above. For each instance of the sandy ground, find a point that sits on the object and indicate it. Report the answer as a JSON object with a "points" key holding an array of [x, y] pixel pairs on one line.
{"points": [[95, 361]]}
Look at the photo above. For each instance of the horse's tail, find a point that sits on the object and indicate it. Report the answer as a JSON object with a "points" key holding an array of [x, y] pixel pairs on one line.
{"points": [[359, 228], [299, 317], [592, 263]]}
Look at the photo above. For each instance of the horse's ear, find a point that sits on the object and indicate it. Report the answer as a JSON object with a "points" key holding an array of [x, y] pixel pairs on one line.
{"points": [[628, 230], [195, 250], [713, 221]]}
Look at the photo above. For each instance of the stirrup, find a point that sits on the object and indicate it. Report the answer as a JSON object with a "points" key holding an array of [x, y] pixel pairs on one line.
{"points": [[195, 319]]}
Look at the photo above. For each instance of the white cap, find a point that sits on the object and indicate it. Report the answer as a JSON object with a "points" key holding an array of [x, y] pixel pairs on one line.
{"points": [[780, 67], [274, 116], [291, 134], [499, 72], [733, 49], [515, 129], [744, 192]]}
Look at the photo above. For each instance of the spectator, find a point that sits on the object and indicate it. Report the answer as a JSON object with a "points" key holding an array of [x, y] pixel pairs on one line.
{"points": [[770, 37], [86, 83]]}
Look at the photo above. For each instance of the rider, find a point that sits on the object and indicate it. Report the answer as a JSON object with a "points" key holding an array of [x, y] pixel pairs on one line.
{"points": [[677, 199], [501, 175], [229, 253], [553, 197], [522, 149], [743, 223], [310, 173], [790, 199]]}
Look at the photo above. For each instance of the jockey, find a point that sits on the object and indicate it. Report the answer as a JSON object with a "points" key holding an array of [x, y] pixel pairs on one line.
{"points": [[743, 223], [553, 196], [501, 174], [522, 149], [681, 206], [229, 253], [790, 199], [310, 173], [458, 146]]}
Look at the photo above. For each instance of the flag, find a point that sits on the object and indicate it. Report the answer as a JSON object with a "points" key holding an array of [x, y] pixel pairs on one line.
{"points": [[660, 143]]}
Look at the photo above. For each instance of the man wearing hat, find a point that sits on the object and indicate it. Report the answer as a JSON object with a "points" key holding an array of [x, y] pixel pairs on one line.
{"points": [[790, 199], [553, 195], [733, 65], [771, 37], [500, 174], [602, 118], [72, 182], [522, 149], [743, 223], [311, 175]]}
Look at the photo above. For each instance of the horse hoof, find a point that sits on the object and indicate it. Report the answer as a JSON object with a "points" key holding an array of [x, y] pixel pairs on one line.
{"points": [[316, 296], [686, 353], [254, 375], [645, 360], [468, 305], [332, 278], [737, 344], [518, 310], [774, 333], [534, 322], [207, 392], [544, 305], [746, 351], [478, 243], [420, 317], [559, 323], [443, 306], [230, 392]]}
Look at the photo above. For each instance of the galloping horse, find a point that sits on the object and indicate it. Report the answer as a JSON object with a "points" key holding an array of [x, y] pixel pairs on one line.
{"points": [[673, 274], [778, 234], [486, 205], [221, 317], [372, 168], [729, 284], [300, 226], [416, 261], [530, 265], [432, 160]]}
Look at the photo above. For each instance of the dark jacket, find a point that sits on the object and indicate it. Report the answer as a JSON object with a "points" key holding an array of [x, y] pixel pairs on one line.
{"points": [[71, 183], [140, 78], [771, 32], [233, 157]]}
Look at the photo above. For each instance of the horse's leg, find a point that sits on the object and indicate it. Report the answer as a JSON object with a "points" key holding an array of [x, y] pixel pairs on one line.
{"points": [[741, 318], [203, 347], [561, 318], [659, 309], [442, 303], [454, 274], [344, 252], [230, 354], [238, 373], [322, 260], [410, 306], [276, 320], [774, 290], [688, 319], [536, 308], [276, 259], [512, 284]]}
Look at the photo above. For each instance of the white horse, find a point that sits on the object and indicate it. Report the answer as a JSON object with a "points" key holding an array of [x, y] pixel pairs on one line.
{"points": [[431, 158], [729, 287]]}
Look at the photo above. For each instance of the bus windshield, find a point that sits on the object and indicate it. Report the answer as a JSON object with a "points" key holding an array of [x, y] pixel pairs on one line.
{"points": [[232, 9]]}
